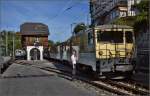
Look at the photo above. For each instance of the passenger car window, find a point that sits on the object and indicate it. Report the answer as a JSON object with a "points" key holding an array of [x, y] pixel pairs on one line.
{"points": [[90, 38]]}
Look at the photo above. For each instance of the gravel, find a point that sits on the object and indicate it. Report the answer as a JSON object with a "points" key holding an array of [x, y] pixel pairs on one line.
{"points": [[98, 91]]}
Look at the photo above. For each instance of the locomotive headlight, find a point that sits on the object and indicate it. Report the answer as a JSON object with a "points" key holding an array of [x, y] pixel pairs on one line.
{"points": [[100, 52]]}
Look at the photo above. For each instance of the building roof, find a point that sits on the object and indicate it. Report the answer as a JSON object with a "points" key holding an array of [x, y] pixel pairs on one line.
{"points": [[30, 28]]}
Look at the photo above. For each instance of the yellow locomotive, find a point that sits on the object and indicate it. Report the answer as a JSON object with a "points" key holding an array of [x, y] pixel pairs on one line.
{"points": [[104, 49]]}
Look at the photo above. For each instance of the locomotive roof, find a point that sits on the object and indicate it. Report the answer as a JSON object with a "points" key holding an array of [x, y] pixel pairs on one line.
{"points": [[31, 28], [110, 26]]}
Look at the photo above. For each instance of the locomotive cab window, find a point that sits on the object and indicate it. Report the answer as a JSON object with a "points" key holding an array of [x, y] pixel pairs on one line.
{"points": [[110, 36], [118, 36], [129, 37]]}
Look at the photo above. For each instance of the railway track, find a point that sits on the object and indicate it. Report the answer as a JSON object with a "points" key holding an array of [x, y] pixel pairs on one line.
{"points": [[117, 87], [134, 85], [126, 88]]}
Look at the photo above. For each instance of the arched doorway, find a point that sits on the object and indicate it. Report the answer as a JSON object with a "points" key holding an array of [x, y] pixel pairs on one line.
{"points": [[35, 54]]}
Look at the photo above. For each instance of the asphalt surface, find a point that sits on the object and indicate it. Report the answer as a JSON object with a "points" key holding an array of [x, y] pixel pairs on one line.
{"points": [[23, 80], [4, 59]]}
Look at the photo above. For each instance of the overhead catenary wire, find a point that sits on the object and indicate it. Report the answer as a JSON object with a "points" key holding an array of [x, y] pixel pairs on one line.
{"points": [[63, 10], [68, 7]]}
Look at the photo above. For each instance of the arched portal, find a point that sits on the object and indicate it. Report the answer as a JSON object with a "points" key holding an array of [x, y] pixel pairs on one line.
{"points": [[34, 53]]}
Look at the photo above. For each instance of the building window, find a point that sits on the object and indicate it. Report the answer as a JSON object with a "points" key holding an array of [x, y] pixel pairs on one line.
{"points": [[123, 14], [113, 15], [117, 13]]}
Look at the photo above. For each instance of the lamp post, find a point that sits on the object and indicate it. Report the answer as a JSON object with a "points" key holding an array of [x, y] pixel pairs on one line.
{"points": [[71, 37], [6, 43], [72, 28], [14, 45], [1, 43]]}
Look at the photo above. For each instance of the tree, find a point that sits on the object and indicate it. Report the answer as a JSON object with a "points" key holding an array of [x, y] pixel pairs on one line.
{"points": [[140, 21], [57, 43], [10, 35], [125, 21], [50, 42], [18, 40], [79, 27], [143, 6]]}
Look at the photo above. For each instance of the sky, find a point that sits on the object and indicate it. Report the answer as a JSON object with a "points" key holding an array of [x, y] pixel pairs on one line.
{"points": [[57, 14]]}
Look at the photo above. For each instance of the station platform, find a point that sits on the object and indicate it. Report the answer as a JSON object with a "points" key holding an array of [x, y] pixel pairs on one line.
{"points": [[24, 80]]}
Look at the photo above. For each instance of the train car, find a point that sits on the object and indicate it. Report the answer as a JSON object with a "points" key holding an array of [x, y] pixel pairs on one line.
{"points": [[66, 49], [55, 52], [106, 49], [20, 54]]}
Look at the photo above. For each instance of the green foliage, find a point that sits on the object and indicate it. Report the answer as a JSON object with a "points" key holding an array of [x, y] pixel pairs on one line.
{"points": [[124, 21], [79, 27], [57, 43], [50, 42], [140, 24], [143, 6], [10, 34], [140, 21]]}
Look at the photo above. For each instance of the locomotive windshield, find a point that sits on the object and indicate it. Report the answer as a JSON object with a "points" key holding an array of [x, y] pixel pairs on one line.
{"points": [[129, 38], [110, 36]]}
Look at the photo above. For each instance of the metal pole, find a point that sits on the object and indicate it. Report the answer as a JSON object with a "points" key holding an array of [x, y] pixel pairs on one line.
{"points": [[71, 39], [98, 37], [72, 33], [13, 45], [88, 20], [6, 41], [72, 28], [1, 41]]}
